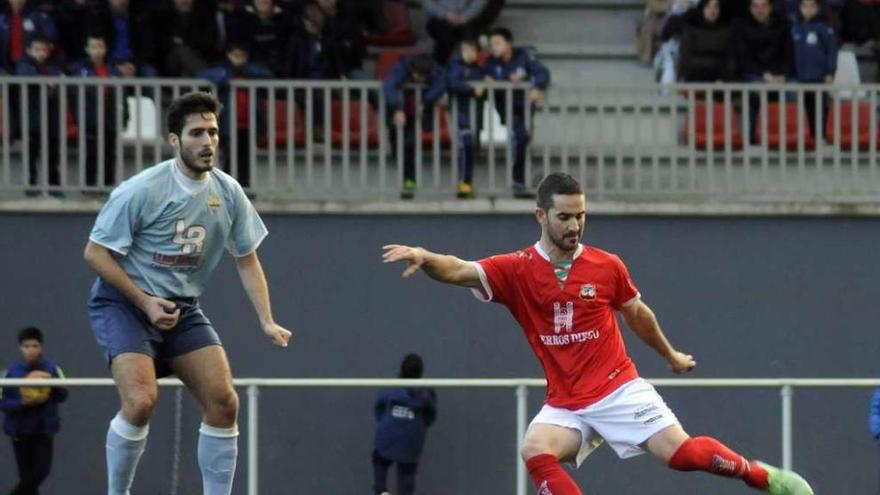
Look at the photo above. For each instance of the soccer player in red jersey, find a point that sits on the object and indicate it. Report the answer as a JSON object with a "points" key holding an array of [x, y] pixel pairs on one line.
{"points": [[564, 296]]}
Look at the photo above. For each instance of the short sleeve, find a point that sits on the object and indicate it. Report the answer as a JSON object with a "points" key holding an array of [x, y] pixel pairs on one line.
{"points": [[248, 229], [496, 274], [625, 292], [118, 220]]}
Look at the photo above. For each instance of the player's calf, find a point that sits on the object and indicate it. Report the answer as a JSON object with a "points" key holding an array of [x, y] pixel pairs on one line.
{"points": [[710, 455]]}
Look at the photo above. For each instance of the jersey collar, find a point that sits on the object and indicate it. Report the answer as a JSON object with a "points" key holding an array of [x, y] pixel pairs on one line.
{"points": [[546, 256]]}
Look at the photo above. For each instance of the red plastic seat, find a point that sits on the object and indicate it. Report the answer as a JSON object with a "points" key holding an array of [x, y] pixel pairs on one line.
{"points": [[713, 132], [282, 130], [400, 32], [790, 138], [355, 131], [863, 123], [445, 139]]}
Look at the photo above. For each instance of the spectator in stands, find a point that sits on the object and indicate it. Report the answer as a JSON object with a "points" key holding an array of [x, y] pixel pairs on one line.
{"points": [[874, 416], [762, 45], [237, 66], [705, 45], [670, 29], [130, 39], [763, 52], [96, 65], [815, 59], [36, 63], [188, 38], [449, 21], [344, 33], [265, 27], [402, 112], [32, 412], [516, 65], [403, 416], [646, 39], [17, 27], [461, 75]]}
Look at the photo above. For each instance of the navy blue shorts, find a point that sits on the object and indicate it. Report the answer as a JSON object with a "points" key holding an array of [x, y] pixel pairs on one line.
{"points": [[121, 327]]}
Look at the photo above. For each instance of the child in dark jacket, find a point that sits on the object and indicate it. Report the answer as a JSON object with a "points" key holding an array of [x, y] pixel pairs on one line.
{"points": [[815, 58], [32, 412], [403, 415], [104, 123], [462, 72]]}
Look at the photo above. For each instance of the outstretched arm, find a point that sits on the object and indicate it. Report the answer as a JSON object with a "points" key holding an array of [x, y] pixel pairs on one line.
{"points": [[641, 320], [443, 268], [254, 281]]}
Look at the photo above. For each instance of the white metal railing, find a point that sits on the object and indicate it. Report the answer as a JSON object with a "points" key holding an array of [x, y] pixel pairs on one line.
{"points": [[786, 388], [334, 140]]}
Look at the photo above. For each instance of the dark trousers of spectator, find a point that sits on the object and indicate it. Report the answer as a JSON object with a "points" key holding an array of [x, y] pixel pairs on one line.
{"points": [[35, 164], [184, 61], [92, 161], [447, 37], [406, 475], [468, 140], [520, 143], [816, 102], [33, 453], [753, 106], [242, 155], [410, 140]]}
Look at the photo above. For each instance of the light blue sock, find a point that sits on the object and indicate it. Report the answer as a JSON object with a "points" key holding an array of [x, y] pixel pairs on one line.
{"points": [[218, 450], [125, 444]]}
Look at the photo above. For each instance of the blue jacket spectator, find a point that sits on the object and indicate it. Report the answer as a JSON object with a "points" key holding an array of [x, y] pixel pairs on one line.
{"points": [[42, 419], [413, 69], [462, 72], [516, 65], [402, 73], [874, 415], [33, 22], [815, 50], [402, 417]]}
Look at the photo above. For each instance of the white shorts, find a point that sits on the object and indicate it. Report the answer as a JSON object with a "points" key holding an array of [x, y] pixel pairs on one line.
{"points": [[625, 419]]}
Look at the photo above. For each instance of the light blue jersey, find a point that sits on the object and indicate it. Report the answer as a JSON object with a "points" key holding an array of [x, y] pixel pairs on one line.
{"points": [[168, 231]]}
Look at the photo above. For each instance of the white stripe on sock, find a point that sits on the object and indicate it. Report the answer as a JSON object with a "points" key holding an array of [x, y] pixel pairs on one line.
{"points": [[127, 430], [213, 431]]}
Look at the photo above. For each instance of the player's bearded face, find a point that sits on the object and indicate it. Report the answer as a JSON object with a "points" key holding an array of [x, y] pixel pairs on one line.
{"points": [[198, 142], [565, 221]]}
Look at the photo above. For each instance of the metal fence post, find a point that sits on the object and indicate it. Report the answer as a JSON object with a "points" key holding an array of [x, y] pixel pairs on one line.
{"points": [[252, 441], [522, 394], [786, 392]]}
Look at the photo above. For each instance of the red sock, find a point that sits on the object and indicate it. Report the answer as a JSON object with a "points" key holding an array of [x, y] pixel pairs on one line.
{"points": [[549, 476], [710, 455]]}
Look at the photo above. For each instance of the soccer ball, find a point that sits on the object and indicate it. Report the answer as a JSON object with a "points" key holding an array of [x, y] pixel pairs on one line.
{"points": [[36, 394]]}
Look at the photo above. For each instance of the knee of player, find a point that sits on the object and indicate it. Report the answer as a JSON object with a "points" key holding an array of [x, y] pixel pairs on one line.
{"points": [[533, 447], [225, 404], [139, 405]]}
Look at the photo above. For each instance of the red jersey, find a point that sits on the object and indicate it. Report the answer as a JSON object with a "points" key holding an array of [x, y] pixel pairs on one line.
{"points": [[572, 330]]}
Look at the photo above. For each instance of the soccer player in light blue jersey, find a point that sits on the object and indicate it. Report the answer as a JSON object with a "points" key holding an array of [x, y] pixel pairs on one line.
{"points": [[154, 245]]}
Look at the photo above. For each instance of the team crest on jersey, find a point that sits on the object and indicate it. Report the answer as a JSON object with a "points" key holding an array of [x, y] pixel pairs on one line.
{"points": [[588, 291], [213, 203]]}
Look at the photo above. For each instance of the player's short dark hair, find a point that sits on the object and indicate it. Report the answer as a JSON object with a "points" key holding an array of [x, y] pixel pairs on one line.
{"points": [[237, 45], [422, 65], [30, 333], [556, 183], [503, 32], [196, 102], [39, 38], [412, 366]]}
